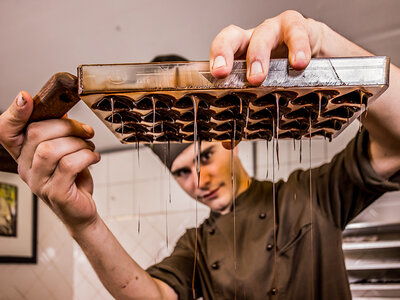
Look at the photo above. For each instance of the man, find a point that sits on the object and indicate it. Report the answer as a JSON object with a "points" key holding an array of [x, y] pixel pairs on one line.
{"points": [[53, 157]]}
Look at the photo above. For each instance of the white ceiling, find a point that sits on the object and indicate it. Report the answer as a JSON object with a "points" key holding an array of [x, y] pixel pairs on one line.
{"points": [[42, 37]]}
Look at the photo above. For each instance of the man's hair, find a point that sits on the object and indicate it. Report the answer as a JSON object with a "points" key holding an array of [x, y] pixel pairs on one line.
{"points": [[168, 57]]}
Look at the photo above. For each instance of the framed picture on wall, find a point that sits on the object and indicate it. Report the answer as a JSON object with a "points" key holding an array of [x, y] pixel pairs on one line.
{"points": [[18, 215]]}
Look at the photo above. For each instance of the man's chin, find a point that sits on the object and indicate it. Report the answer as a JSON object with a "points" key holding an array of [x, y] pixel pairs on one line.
{"points": [[220, 208]]}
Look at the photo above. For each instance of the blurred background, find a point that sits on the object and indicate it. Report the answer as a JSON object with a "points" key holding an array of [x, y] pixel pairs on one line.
{"points": [[42, 37]]}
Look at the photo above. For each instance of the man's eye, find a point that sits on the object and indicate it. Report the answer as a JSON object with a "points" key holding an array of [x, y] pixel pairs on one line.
{"points": [[205, 157], [182, 173]]}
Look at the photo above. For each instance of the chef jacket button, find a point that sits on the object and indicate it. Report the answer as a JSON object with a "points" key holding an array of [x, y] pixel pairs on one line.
{"points": [[215, 266], [273, 291], [262, 215], [211, 231], [269, 247]]}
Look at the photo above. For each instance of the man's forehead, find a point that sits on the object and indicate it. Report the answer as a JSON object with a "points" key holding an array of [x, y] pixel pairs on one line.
{"points": [[168, 152]]}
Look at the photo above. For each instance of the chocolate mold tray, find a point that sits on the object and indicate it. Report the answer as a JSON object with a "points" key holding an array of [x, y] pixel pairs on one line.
{"points": [[160, 102]]}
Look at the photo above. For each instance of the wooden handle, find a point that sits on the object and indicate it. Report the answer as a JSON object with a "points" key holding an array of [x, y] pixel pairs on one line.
{"points": [[56, 97]]}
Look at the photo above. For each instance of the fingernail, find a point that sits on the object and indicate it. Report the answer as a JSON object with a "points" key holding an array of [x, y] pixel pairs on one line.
{"points": [[20, 100], [219, 62], [87, 128], [256, 68], [300, 56]]}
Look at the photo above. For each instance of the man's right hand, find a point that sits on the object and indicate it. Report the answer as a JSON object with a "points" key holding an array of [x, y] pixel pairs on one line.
{"points": [[53, 158]]}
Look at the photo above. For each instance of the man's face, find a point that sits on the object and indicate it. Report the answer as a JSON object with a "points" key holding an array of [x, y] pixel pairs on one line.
{"points": [[215, 187]]}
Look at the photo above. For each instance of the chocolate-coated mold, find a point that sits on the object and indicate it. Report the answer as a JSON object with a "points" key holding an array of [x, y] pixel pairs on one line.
{"points": [[163, 102]]}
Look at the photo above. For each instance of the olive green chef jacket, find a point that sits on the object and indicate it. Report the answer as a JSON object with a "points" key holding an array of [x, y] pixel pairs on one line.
{"points": [[341, 189]]}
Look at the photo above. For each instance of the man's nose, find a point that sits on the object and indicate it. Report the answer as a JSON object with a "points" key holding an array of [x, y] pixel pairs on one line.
{"points": [[205, 178], [202, 180]]}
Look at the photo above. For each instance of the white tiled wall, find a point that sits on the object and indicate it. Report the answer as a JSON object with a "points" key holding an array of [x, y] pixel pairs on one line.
{"points": [[133, 199], [52, 277]]}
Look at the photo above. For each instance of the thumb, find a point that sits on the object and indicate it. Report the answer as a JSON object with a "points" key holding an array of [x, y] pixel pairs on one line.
{"points": [[13, 122], [18, 114]]}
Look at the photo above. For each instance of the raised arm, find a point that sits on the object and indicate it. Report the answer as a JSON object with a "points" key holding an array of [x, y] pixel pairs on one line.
{"points": [[291, 35], [53, 158]]}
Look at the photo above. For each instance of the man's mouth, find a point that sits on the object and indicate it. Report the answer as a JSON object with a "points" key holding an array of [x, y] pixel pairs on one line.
{"points": [[211, 195]]}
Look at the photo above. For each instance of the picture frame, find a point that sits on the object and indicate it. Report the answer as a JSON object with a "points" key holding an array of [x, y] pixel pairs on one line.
{"points": [[18, 215]]}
